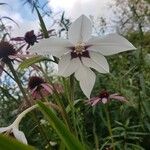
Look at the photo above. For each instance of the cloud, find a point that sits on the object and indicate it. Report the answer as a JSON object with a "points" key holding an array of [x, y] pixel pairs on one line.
{"points": [[74, 8], [25, 24]]}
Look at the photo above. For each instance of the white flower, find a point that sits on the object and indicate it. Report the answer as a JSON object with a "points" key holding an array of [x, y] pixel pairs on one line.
{"points": [[82, 51], [14, 131]]}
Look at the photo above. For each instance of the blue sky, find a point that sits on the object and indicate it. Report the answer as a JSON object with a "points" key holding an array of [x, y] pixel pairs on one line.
{"points": [[73, 8], [17, 6]]}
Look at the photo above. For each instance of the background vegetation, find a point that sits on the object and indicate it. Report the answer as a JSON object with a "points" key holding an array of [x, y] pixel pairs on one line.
{"points": [[123, 126]]}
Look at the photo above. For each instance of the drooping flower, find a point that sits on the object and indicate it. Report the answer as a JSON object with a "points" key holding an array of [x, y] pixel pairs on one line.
{"points": [[13, 131], [7, 51], [81, 51], [104, 97], [40, 88], [30, 38]]}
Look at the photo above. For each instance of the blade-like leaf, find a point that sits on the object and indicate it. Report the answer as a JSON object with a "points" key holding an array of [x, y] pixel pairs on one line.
{"points": [[42, 24], [12, 144], [5, 17], [28, 62], [65, 135]]}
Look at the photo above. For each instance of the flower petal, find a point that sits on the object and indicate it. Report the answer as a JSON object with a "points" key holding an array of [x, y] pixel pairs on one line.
{"points": [[19, 135], [118, 97], [104, 100], [67, 66], [55, 46], [47, 87], [80, 30], [96, 101], [4, 129], [96, 61], [86, 79], [110, 44]]}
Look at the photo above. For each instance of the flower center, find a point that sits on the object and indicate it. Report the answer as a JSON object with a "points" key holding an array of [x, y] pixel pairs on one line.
{"points": [[30, 37], [34, 82], [104, 94], [6, 50], [79, 48]]}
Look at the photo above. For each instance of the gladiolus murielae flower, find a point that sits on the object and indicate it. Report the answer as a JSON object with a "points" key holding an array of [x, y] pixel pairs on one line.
{"points": [[13, 131], [104, 97], [81, 51]]}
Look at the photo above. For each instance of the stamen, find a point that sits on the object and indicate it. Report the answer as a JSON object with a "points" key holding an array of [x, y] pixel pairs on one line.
{"points": [[79, 48]]}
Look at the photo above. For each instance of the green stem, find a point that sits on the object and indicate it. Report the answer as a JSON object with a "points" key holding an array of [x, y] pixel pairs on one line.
{"points": [[72, 88], [18, 82], [40, 127], [71, 102], [95, 137], [41, 130], [109, 126]]}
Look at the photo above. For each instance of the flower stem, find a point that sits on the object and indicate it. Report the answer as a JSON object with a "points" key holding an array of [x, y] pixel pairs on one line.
{"points": [[18, 81], [71, 102], [109, 126], [41, 128], [23, 114], [95, 137]]}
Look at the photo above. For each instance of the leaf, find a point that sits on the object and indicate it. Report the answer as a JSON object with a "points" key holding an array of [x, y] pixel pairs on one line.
{"points": [[138, 133], [28, 62], [68, 108], [5, 17], [138, 147], [6, 93], [65, 135], [12, 144], [42, 24]]}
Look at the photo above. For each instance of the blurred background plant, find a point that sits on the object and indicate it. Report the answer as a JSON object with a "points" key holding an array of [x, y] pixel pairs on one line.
{"points": [[113, 125]]}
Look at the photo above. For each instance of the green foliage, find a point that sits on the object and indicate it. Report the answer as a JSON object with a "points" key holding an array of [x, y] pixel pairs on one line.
{"points": [[125, 126], [11, 144], [31, 61], [69, 140]]}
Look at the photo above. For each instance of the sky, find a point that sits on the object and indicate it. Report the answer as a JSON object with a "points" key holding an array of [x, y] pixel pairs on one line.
{"points": [[73, 9]]}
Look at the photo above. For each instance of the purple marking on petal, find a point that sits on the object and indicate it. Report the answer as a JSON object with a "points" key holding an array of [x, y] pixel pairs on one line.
{"points": [[104, 94], [84, 54]]}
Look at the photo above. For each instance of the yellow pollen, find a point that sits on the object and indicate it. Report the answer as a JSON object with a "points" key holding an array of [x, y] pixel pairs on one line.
{"points": [[79, 48]]}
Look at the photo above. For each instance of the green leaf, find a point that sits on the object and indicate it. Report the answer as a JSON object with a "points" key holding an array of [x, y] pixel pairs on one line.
{"points": [[68, 108], [12, 144], [42, 24], [65, 135], [28, 62]]}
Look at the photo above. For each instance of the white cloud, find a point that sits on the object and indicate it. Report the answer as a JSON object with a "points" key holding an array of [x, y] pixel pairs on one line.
{"points": [[24, 27], [74, 8], [24, 24]]}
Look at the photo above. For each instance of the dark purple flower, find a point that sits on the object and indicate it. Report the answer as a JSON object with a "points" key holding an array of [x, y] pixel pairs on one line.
{"points": [[40, 88], [6, 51], [30, 38]]}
